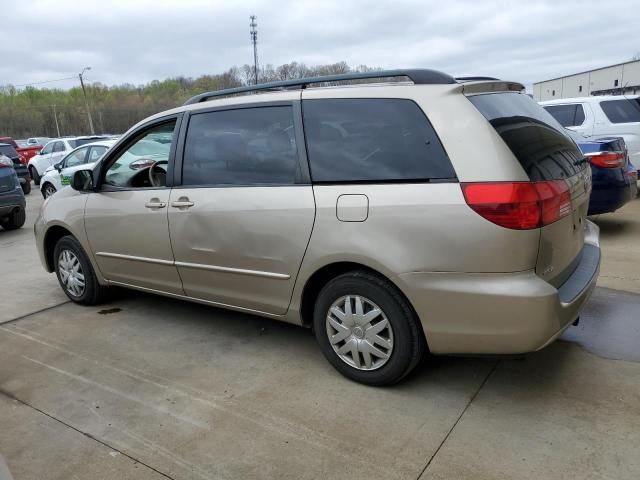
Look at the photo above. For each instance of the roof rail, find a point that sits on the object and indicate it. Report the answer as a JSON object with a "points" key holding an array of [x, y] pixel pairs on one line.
{"points": [[417, 76], [474, 79]]}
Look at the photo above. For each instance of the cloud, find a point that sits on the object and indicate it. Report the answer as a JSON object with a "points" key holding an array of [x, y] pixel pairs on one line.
{"points": [[136, 41]]}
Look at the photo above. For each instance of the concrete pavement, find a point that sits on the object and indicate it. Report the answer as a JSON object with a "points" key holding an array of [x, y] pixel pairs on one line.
{"points": [[148, 387], [620, 241]]}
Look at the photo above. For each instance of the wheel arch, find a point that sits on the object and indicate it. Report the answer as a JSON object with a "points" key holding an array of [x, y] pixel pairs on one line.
{"points": [[51, 238], [324, 274], [45, 183]]}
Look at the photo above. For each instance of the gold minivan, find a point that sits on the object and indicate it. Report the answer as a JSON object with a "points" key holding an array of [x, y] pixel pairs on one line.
{"points": [[394, 218]]}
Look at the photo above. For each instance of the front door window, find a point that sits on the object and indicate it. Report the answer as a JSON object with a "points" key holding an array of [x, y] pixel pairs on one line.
{"points": [[144, 163]]}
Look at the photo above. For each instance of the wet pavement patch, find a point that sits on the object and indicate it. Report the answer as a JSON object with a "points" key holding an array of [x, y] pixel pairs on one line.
{"points": [[609, 325]]}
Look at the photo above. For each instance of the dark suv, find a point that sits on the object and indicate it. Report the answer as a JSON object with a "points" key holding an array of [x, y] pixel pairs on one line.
{"points": [[21, 169], [12, 203]]}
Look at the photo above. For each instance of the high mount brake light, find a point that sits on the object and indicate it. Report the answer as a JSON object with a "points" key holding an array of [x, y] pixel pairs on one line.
{"points": [[519, 205], [606, 159]]}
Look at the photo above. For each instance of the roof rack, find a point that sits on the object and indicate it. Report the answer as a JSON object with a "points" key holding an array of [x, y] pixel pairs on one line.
{"points": [[417, 76], [474, 79]]}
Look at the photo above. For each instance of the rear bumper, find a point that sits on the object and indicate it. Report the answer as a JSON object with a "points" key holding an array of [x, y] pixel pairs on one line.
{"points": [[611, 192], [475, 313], [10, 201], [23, 174]]}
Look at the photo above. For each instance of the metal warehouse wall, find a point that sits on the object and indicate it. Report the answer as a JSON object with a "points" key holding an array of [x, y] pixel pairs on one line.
{"points": [[613, 80]]}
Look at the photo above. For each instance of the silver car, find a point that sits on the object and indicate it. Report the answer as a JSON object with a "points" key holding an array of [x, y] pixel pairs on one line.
{"points": [[395, 218]]}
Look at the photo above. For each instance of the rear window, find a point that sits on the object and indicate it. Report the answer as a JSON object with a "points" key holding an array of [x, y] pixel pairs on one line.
{"points": [[567, 115], [536, 139], [621, 111], [83, 141], [9, 151], [372, 140]]}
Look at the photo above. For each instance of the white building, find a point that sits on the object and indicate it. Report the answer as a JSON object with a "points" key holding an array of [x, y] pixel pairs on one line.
{"points": [[623, 78]]}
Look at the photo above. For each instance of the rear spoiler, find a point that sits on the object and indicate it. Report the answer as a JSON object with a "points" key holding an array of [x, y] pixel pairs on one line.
{"points": [[478, 85]]}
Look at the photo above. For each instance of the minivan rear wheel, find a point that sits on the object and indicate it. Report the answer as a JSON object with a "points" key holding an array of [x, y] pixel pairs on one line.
{"points": [[75, 273], [367, 330]]}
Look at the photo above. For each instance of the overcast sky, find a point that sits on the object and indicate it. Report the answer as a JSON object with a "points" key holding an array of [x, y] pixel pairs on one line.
{"points": [[135, 41]]}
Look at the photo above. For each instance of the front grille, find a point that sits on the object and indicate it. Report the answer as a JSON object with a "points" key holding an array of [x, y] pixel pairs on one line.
{"points": [[7, 183]]}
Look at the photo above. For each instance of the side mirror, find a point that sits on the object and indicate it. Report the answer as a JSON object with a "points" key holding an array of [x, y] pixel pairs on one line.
{"points": [[58, 166], [82, 180]]}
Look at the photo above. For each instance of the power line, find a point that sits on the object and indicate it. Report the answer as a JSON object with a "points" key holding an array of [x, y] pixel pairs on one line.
{"points": [[45, 81]]}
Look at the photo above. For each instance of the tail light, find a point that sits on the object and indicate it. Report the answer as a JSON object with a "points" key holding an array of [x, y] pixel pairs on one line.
{"points": [[23, 160], [606, 159], [519, 205]]}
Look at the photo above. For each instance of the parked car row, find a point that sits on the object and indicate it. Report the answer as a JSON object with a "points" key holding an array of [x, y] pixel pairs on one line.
{"points": [[54, 151], [608, 133]]}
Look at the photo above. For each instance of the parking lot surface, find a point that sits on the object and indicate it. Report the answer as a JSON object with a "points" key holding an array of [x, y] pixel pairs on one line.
{"points": [[149, 387]]}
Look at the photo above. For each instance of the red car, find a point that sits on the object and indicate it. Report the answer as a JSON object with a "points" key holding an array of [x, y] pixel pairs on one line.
{"points": [[26, 152]]}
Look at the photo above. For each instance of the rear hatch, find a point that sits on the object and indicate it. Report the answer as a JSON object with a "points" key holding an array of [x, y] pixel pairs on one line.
{"points": [[12, 153], [7, 179], [546, 153]]}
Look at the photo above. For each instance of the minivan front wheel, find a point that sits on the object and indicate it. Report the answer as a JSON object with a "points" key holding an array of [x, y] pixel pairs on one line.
{"points": [[367, 330], [75, 273]]}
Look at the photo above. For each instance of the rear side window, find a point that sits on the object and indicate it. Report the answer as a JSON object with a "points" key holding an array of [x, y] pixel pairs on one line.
{"points": [[95, 153], [372, 140], [621, 111], [567, 115], [536, 139], [48, 148], [247, 146]]}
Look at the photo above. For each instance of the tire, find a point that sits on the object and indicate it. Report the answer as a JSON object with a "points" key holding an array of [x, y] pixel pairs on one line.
{"points": [[15, 220], [47, 189], [26, 187], [66, 251], [402, 339], [34, 174]]}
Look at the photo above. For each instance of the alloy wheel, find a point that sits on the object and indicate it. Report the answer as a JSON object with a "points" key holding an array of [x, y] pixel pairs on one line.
{"points": [[71, 274], [359, 332]]}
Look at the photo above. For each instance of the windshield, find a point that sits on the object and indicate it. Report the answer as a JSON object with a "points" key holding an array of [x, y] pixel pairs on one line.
{"points": [[150, 147], [83, 141]]}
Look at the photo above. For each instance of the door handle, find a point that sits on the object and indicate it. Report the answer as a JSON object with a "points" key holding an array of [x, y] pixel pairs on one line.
{"points": [[154, 203], [182, 202]]}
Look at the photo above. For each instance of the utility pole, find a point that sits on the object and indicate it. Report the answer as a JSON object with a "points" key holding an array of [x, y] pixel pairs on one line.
{"points": [[55, 117], [86, 103], [254, 40]]}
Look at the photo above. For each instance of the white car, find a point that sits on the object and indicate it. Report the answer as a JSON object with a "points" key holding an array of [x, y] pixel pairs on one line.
{"points": [[601, 115], [53, 152], [141, 155], [59, 175]]}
